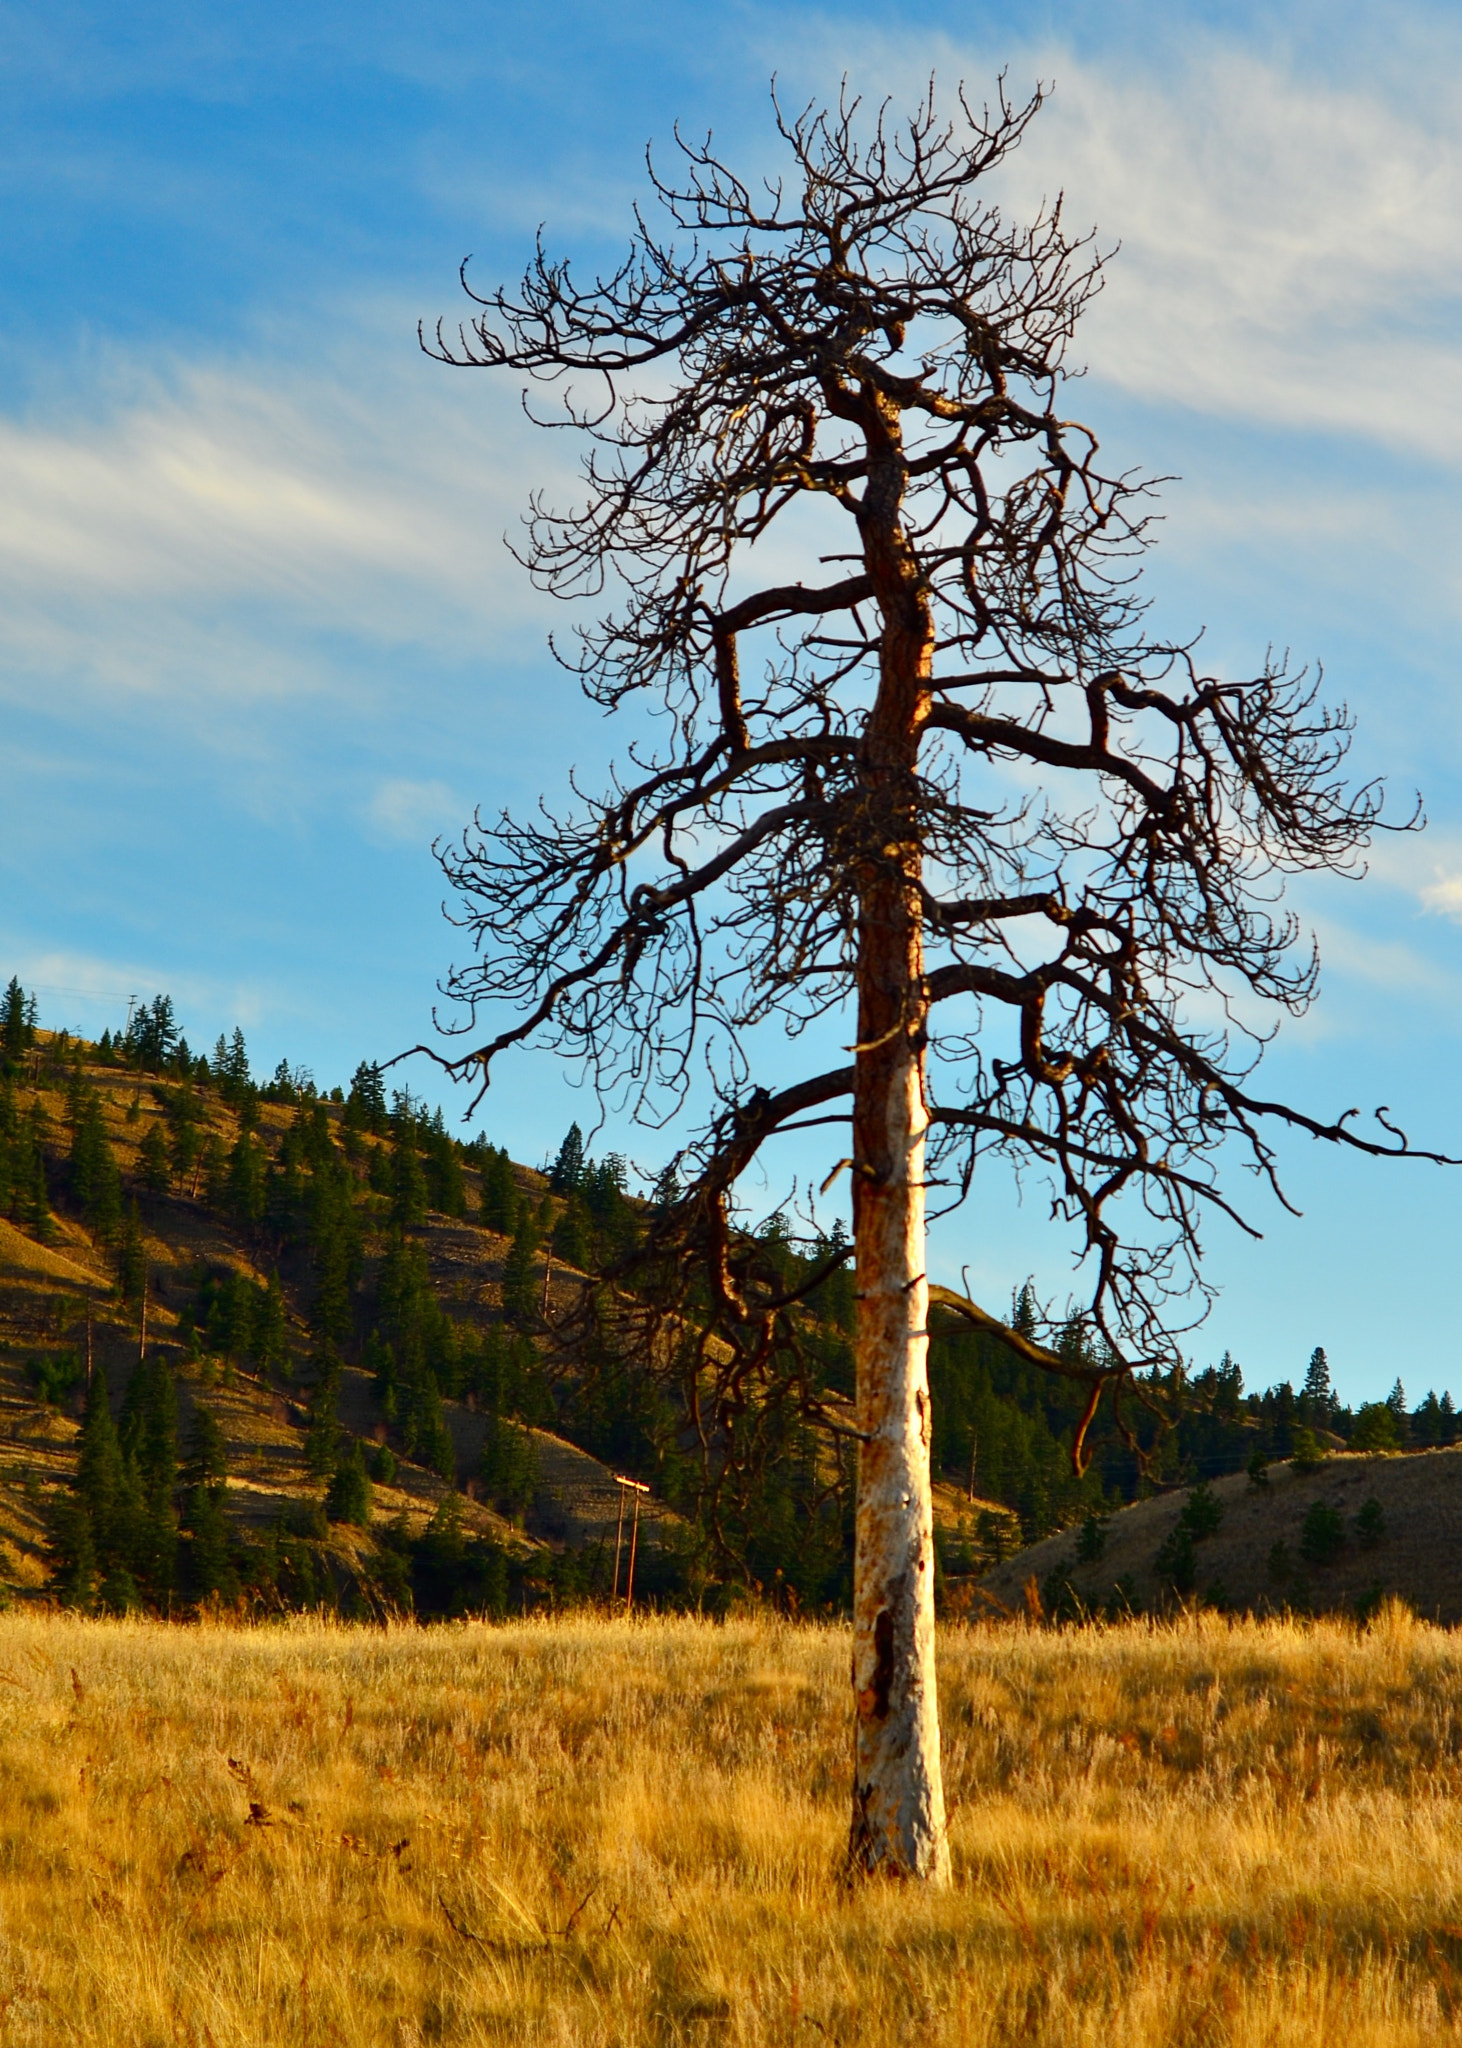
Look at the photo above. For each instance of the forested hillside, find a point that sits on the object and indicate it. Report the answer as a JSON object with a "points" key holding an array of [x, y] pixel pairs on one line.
{"points": [[268, 1342]]}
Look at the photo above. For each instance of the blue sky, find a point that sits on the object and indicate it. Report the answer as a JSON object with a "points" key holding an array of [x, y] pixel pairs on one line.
{"points": [[260, 640]]}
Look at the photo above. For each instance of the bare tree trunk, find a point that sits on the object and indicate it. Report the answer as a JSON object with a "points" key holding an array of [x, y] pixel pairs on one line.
{"points": [[898, 1790]]}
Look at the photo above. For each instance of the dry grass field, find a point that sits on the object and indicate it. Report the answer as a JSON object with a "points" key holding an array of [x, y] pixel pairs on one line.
{"points": [[591, 1831]]}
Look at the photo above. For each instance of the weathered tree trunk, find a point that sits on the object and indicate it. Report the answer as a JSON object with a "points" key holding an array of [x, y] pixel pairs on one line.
{"points": [[898, 1792]]}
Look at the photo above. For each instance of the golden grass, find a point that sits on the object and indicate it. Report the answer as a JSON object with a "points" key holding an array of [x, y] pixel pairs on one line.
{"points": [[588, 1831]]}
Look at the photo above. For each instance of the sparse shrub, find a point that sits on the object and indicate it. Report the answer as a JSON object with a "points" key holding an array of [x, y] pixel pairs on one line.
{"points": [[1202, 1512], [1258, 1471], [1092, 1541], [1322, 1534], [1370, 1524], [1279, 1562], [1177, 1561], [1307, 1453]]}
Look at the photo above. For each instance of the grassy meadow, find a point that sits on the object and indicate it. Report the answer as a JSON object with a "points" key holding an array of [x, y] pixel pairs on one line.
{"points": [[599, 1831]]}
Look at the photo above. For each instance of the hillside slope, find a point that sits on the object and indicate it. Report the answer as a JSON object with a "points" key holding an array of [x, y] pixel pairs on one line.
{"points": [[67, 1311], [1334, 1539]]}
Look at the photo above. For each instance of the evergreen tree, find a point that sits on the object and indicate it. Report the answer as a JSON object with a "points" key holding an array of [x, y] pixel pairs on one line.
{"points": [[567, 1173], [322, 1440], [34, 1205], [408, 1182], [508, 1466], [131, 1257], [520, 1289], [365, 1106], [1317, 1382], [206, 1463], [571, 1236], [213, 1170], [349, 1498], [17, 1025], [245, 1182], [209, 1572], [154, 1164], [149, 1442], [499, 1197]]}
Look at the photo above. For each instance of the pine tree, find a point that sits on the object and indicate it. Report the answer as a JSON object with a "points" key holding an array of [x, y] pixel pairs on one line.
{"points": [[149, 1442], [365, 1106], [349, 1498], [16, 1031], [520, 1285], [1317, 1390], [154, 1164], [408, 1182], [322, 1441], [209, 1572], [499, 1198], [245, 1183], [206, 1463], [567, 1172], [131, 1257]]}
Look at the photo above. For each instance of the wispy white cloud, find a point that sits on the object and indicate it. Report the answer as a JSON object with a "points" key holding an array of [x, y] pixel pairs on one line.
{"points": [[187, 533], [1291, 244], [414, 812]]}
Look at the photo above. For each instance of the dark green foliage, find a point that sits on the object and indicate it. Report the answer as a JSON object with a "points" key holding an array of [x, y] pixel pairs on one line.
{"points": [[55, 1376], [508, 1467], [446, 1186], [209, 1570], [1370, 1524], [498, 1201], [365, 1106], [408, 1181], [95, 1183], [522, 1288], [1258, 1471], [17, 1025], [151, 1038], [206, 1459], [452, 1576], [244, 1188], [1092, 1541], [131, 1257], [566, 1175], [383, 1465], [154, 1160], [1202, 1512], [1177, 1560], [1376, 1428], [149, 1443], [1279, 1561], [322, 1440], [1322, 1534], [230, 1069], [1176, 1563], [571, 1236], [1307, 1453], [349, 1498]]}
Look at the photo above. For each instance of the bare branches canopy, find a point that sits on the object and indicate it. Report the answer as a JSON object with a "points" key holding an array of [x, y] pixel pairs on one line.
{"points": [[921, 762]]}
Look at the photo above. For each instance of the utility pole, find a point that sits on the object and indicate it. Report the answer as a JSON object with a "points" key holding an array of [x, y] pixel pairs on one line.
{"points": [[635, 1487]]}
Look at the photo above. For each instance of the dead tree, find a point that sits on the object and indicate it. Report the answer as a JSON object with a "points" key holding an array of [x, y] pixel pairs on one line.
{"points": [[934, 776]]}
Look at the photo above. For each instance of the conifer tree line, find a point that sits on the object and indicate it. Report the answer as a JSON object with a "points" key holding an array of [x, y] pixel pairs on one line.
{"points": [[332, 1202]]}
